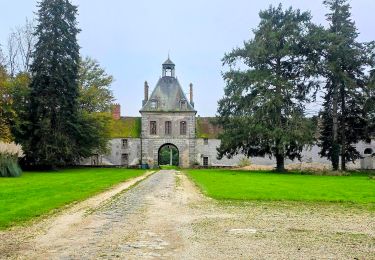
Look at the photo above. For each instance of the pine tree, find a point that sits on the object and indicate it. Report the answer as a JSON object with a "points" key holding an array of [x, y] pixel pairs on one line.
{"points": [[370, 105], [344, 119], [54, 86], [262, 112]]}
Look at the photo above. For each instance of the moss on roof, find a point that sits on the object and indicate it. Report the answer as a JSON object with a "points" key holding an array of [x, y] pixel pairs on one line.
{"points": [[206, 127], [130, 127], [126, 127]]}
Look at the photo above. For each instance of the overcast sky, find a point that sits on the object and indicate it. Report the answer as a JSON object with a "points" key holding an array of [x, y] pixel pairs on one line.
{"points": [[131, 39]]}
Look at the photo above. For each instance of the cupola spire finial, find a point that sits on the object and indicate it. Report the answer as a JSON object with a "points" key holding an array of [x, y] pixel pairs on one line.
{"points": [[168, 68]]}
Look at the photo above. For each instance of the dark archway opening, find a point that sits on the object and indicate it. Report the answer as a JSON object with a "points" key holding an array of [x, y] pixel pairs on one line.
{"points": [[168, 155]]}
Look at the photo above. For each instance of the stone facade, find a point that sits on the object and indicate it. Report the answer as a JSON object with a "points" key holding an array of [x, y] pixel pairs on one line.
{"points": [[185, 143]]}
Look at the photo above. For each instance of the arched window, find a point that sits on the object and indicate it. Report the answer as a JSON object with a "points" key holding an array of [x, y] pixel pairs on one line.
{"points": [[183, 128]]}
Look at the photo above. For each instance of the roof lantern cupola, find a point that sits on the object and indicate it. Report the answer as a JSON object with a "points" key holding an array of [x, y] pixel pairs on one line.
{"points": [[168, 68]]}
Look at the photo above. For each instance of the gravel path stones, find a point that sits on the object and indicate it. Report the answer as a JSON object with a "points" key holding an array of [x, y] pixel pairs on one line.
{"points": [[166, 217]]}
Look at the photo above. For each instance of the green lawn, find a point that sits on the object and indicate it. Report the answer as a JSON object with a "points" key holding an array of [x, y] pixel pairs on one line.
{"points": [[37, 193], [239, 185]]}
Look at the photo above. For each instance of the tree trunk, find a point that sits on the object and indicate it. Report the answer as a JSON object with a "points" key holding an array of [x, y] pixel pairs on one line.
{"points": [[280, 167], [343, 162], [335, 145], [343, 128]]}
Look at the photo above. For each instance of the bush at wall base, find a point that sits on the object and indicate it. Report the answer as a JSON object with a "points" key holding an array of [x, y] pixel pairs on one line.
{"points": [[9, 154]]}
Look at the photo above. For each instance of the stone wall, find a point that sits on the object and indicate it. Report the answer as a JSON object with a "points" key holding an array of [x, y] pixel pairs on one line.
{"points": [[116, 150], [133, 149], [309, 155]]}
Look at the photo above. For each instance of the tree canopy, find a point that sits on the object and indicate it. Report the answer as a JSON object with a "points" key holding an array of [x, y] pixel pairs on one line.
{"points": [[344, 117], [262, 112], [94, 83]]}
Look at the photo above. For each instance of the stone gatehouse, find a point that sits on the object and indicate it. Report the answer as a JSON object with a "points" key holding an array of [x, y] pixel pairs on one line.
{"points": [[168, 117]]}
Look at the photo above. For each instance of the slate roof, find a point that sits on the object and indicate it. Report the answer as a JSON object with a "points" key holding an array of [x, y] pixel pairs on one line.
{"points": [[168, 94], [168, 62]]}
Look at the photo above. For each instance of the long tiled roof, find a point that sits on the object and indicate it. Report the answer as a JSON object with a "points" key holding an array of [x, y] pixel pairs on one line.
{"points": [[206, 127], [126, 127]]}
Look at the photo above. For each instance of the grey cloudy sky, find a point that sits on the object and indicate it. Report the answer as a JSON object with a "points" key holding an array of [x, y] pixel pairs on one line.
{"points": [[132, 38]]}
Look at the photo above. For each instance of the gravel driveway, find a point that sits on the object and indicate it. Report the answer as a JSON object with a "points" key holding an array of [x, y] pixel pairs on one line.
{"points": [[166, 217]]}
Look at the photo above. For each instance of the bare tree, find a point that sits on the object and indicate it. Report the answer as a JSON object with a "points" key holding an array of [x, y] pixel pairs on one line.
{"points": [[26, 42], [12, 55], [2, 58], [20, 46]]}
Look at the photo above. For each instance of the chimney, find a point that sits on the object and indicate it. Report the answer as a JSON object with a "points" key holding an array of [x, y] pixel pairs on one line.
{"points": [[116, 111], [146, 88], [191, 94]]}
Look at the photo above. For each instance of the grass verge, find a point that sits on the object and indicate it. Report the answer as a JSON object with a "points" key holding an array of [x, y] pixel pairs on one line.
{"points": [[38, 193], [268, 186]]}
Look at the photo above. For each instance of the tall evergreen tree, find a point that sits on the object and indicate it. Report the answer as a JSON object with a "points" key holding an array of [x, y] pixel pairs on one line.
{"points": [[370, 105], [54, 87], [262, 112], [346, 59]]}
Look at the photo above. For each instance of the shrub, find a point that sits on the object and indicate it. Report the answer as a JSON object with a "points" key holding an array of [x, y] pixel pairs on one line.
{"points": [[9, 154], [244, 162]]}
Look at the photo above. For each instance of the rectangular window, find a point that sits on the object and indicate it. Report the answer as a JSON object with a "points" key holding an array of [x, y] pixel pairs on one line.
{"points": [[205, 141], [183, 128], [205, 161], [168, 127], [152, 127], [124, 143], [125, 159]]}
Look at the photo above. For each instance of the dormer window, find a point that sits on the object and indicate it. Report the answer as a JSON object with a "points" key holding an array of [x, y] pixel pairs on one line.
{"points": [[183, 104], [154, 104]]}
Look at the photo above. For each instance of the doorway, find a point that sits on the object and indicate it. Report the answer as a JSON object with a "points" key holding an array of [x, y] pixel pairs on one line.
{"points": [[168, 155]]}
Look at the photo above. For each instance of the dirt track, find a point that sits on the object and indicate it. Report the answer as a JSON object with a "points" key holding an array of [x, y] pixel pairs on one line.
{"points": [[165, 217]]}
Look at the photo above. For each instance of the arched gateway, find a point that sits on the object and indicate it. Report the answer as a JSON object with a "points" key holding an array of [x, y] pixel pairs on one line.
{"points": [[168, 118], [168, 155]]}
